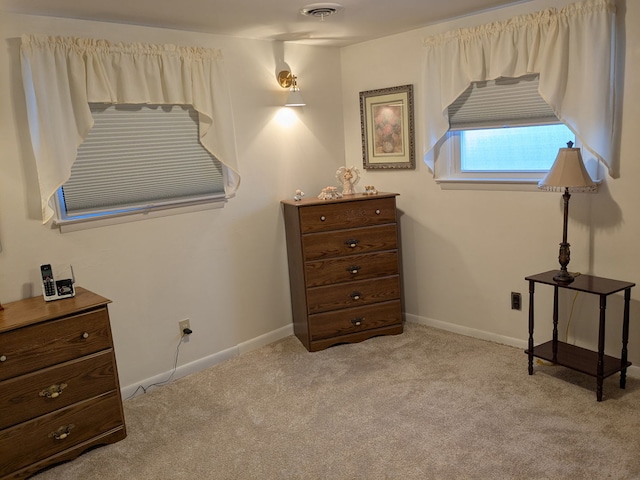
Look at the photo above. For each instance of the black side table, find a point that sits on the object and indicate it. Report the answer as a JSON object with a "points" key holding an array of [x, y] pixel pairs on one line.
{"points": [[596, 364]]}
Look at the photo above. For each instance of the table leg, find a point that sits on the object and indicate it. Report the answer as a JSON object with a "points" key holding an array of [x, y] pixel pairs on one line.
{"points": [[625, 338], [554, 343], [601, 333], [530, 350]]}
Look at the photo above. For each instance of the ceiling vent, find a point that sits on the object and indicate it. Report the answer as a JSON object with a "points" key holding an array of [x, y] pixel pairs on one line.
{"points": [[321, 10]]}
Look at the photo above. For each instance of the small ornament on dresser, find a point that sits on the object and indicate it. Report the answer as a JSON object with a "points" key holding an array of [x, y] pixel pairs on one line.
{"points": [[299, 195], [329, 193], [348, 177], [370, 190]]}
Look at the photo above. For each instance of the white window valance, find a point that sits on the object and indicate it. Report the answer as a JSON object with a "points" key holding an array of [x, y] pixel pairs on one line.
{"points": [[62, 75], [572, 49]]}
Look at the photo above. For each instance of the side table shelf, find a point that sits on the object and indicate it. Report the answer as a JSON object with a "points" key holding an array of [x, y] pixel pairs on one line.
{"points": [[595, 364]]}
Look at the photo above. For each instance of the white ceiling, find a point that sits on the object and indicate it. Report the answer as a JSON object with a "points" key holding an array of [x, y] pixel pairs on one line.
{"points": [[359, 20]]}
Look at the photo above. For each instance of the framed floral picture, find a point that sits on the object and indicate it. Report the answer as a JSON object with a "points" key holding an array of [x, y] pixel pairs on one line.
{"points": [[386, 117]]}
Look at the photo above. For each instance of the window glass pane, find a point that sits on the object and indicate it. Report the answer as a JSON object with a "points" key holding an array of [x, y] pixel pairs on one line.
{"points": [[515, 149]]}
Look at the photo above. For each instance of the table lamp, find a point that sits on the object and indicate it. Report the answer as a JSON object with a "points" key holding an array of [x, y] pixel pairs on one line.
{"points": [[567, 173]]}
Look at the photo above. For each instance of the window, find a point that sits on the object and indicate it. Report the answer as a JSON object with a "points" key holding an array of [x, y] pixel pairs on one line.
{"points": [[501, 131], [138, 159], [548, 40], [516, 149]]}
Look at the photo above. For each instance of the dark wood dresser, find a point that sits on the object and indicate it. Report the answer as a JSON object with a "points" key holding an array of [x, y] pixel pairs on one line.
{"points": [[344, 268], [59, 390]]}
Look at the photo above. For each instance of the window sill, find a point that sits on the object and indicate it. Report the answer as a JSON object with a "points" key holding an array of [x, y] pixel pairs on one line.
{"points": [[499, 184], [73, 225]]}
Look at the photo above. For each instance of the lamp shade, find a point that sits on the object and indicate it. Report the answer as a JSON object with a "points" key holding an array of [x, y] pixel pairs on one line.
{"points": [[568, 172], [295, 98]]}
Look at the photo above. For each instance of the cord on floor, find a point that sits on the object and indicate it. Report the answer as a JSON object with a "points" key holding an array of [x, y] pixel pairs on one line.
{"points": [[164, 382]]}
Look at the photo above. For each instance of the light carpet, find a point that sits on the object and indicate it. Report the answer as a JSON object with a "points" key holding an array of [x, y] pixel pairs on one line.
{"points": [[426, 404]]}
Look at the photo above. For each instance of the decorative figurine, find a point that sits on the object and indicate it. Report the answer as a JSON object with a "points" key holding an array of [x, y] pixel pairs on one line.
{"points": [[370, 190], [299, 195], [347, 177], [329, 193]]}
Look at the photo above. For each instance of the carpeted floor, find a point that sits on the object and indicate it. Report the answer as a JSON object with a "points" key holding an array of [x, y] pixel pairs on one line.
{"points": [[427, 404]]}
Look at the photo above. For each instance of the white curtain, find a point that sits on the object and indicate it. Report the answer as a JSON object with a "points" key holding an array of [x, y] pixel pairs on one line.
{"points": [[572, 49], [61, 75]]}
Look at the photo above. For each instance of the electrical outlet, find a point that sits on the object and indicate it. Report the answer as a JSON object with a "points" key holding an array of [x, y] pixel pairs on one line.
{"points": [[184, 324], [516, 301]]}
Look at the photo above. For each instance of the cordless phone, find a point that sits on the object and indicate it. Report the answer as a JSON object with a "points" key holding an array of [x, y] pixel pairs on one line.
{"points": [[53, 289]]}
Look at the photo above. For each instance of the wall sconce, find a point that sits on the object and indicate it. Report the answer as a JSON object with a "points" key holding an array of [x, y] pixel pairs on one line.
{"points": [[288, 80]]}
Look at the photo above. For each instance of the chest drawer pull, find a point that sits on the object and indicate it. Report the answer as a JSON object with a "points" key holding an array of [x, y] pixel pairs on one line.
{"points": [[63, 432], [352, 243], [85, 335], [357, 321], [378, 212], [353, 269], [323, 218], [3, 358], [54, 391], [355, 295]]}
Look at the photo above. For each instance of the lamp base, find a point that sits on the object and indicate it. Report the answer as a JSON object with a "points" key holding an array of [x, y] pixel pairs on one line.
{"points": [[563, 277]]}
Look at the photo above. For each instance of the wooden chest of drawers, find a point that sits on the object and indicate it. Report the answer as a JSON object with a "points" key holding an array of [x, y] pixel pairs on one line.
{"points": [[59, 390], [343, 268]]}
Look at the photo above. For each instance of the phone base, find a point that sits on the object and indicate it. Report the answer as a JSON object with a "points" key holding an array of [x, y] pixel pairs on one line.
{"points": [[64, 289]]}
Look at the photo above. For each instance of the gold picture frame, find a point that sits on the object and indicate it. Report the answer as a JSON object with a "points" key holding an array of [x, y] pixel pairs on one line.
{"points": [[386, 119]]}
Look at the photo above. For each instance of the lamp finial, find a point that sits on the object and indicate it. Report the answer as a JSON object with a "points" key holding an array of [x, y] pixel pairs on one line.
{"points": [[569, 144]]}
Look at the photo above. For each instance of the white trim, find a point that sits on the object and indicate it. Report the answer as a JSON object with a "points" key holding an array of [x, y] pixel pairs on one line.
{"points": [[181, 371], [265, 339], [211, 360], [136, 215], [632, 371], [283, 332], [467, 331]]}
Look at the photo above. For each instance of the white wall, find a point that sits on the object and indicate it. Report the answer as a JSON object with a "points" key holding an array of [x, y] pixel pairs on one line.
{"points": [[466, 250], [224, 269]]}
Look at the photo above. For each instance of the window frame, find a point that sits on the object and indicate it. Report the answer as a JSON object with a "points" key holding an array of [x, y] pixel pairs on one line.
{"points": [[524, 89], [448, 165], [85, 222]]}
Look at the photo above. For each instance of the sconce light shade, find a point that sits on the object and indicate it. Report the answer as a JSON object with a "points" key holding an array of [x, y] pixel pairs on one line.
{"points": [[287, 80], [295, 98]]}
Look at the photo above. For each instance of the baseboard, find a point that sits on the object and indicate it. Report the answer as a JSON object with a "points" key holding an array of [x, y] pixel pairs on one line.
{"points": [[265, 339], [270, 337], [208, 361], [632, 371]]}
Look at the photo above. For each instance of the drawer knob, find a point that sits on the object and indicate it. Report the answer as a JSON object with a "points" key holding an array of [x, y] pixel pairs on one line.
{"points": [[355, 295], [63, 432], [323, 218], [3, 358], [352, 243], [357, 321], [54, 391], [85, 335], [353, 269], [378, 211]]}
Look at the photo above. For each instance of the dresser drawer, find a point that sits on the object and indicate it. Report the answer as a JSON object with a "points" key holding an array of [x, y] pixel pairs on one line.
{"points": [[334, 216], [354, 294], [25, 443], [34, 394], [34, 347], [353, 267], [351, 320], [350, 242]]}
